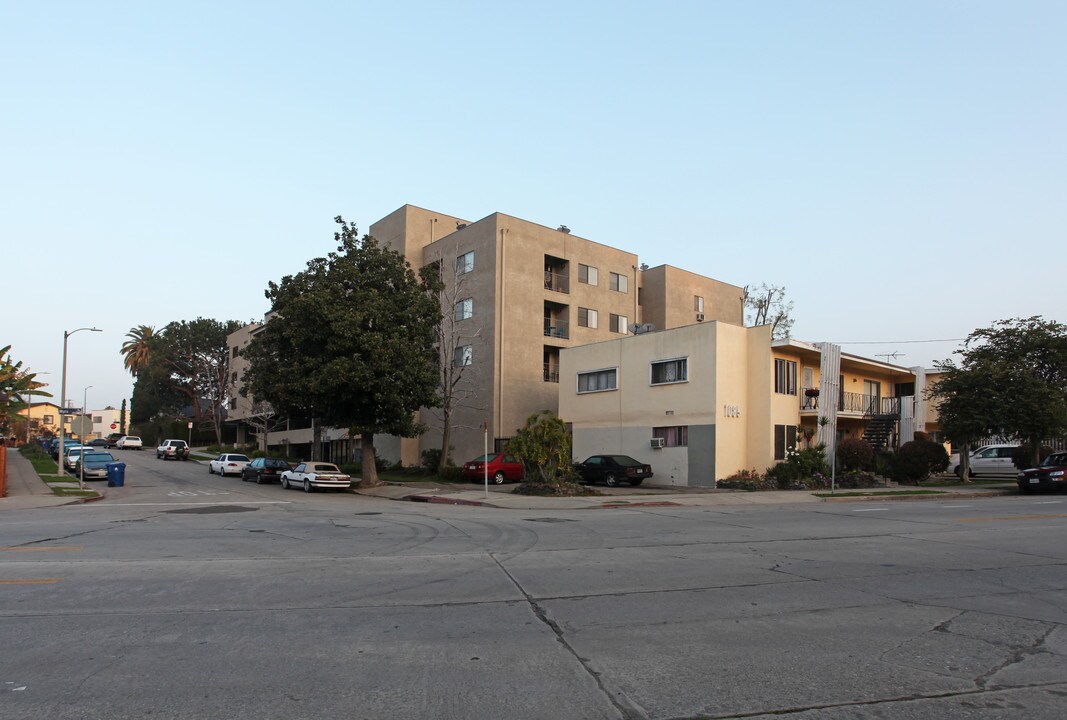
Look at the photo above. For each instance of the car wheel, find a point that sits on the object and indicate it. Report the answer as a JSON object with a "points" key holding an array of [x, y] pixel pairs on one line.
{"points": [[610, 480], [285, 483], [635, 483], [499, 477], [307, 485], [210, 470], [259, 479]]}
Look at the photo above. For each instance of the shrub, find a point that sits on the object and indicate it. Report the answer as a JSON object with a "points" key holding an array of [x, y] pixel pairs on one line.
{"points": [[451, 473], [543, 445], [431, 458], [352, 469], [853, 480], [747, 480], [915, 460], [1023, 457], [854, 454]]}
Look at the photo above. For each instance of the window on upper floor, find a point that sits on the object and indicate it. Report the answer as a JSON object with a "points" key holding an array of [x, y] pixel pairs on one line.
{"points": [[587, 317], [465, 263], [48, 419], [463, 355], [97, 419], [598, 380], [588, 274], [698, 303], [235, 350], [618, 323], [618, 282], [785, 377], [464, 309], [664, 372]]}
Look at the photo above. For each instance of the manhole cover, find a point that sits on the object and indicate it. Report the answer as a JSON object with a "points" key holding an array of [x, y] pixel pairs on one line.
{"points": [[211, 510]]}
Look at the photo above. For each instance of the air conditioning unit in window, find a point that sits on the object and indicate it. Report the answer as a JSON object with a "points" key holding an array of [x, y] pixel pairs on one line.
{"points": [[658, 442], [700, 317]]}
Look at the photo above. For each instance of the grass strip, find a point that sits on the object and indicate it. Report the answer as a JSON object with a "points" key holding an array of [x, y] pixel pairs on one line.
{"points": [[881, 493]]}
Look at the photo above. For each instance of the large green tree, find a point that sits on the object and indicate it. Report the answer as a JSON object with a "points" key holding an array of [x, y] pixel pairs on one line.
{"points": [[350, 341], [1011, 380]]}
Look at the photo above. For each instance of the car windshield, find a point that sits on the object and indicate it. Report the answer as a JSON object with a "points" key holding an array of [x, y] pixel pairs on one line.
{"points": [[1057, 459], [98, 458], [272, 463], [323, 467], [625, 460]]}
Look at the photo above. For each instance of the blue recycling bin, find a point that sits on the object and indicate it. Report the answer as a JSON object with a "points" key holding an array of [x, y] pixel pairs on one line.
{"points": [[116, 474]]}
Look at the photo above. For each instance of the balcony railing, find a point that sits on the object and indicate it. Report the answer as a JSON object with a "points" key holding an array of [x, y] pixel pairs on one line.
{"points": [[551, 373], [557, 282], [556, 328], [853, 403]]}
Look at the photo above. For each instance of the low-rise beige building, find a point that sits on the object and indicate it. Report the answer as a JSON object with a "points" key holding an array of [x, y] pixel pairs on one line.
{"points": [[704, 401]]}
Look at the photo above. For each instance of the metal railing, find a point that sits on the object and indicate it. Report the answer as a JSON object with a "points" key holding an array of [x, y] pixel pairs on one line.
{"points": [[551, 373], [556, 328], [850, 402], [557, 282]]}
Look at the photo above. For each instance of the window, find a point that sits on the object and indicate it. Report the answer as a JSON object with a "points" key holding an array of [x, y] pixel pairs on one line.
{"points": [[588, 274], [48, 419], [676, 436], [785, 440], [587, 318], [618, 323], [598, 380], [233, 377], [465, 263], [785, 377], [464, 355], [233, 403], [97, 419], [464, 309], [235, 351], [670, 371], [698, 303], [618, 282]]}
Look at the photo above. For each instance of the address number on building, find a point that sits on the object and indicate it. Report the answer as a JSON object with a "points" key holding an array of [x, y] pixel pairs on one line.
{"points": [[731, 410]]}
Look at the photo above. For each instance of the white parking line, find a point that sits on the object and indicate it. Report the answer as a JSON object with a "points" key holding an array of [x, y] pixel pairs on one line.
{"points": [[870, 510], [955, 506], [1049, 502]]}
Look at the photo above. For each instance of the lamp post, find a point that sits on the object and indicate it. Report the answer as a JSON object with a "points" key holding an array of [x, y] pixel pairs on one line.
{"points": [[63, 395], [81, 455]]}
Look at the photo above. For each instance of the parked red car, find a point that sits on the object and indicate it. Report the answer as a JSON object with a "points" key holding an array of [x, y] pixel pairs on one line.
{"points": [[502, 468]]}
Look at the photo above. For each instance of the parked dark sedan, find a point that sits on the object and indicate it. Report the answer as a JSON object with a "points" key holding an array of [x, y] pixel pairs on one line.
{"points": [[95, 465], [613, 469], [1050, 474], [263, 470]]}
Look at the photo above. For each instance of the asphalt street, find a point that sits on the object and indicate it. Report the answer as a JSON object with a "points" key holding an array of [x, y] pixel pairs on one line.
{"points": [[187, 595]]}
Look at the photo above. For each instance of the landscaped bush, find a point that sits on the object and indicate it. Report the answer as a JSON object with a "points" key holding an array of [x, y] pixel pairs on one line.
{"points": [[853, 480], [854, 454], [747, 480], [1023, 457], [915, 460]]}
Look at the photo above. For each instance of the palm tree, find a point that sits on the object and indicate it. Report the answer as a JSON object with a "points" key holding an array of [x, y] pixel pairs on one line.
{"points": [[137, 351]]}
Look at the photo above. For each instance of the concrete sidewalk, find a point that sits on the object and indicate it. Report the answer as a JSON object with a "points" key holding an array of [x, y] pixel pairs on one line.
{"points": [[651, 496], [25, 489]]}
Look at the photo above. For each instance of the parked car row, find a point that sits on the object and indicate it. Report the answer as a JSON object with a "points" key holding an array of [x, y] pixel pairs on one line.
{"points": [[308, 476], [611, 470]]}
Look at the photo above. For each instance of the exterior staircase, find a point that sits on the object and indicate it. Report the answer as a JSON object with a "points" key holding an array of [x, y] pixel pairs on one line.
{"points": [[879, 429]]}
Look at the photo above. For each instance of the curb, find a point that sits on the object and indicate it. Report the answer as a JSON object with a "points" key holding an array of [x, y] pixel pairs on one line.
{"points": [[937, 496]]}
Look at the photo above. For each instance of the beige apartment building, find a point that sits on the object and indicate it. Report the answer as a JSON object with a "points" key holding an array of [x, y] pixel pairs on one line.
{"points": [[703, 401], [517, 294]]}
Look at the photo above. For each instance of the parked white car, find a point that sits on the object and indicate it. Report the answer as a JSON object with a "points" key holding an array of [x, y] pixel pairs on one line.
{"points": [[315, 475], [988, 460], [72, 453], [129, 442], [228, 464]]}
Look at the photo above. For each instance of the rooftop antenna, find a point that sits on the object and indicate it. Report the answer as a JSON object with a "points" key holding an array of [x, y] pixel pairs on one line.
{"points": [[889, 356]]}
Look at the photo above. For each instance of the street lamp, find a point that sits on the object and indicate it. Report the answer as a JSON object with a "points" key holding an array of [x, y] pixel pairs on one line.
{"points": [[63, 396], [81, 455]]}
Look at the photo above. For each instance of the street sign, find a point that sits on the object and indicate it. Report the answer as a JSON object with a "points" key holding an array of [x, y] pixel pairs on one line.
{"points": [[70, 411], [190, 426], [114, 425]]}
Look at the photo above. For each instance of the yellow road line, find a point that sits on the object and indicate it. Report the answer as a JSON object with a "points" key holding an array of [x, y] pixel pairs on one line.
{"points": [[1013, 517], [24, 549], [31, 581]]}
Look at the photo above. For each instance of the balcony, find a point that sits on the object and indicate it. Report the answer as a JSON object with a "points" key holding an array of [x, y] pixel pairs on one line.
{"points": [[554, 327], [557, 282], [850, 403], [551, 373]]}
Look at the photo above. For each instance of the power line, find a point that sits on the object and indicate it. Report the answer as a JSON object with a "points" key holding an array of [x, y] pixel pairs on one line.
{"points": [[896, 342]]}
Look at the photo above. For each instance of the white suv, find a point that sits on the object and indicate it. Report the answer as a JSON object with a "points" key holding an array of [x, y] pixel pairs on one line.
{"points": [[988, 460]]}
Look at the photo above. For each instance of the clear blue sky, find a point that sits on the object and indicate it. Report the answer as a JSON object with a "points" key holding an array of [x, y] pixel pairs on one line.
{"points": [[898, 167]]}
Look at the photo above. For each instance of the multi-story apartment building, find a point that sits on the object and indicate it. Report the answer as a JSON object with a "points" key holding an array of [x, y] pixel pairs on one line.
{"points": [[517, 293]]}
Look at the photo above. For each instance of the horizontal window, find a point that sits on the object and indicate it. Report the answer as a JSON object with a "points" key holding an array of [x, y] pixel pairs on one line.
{"points": [[464, 309], [674, 436], [598, 380], [587, 317], [670, 371], [785, 377]]}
